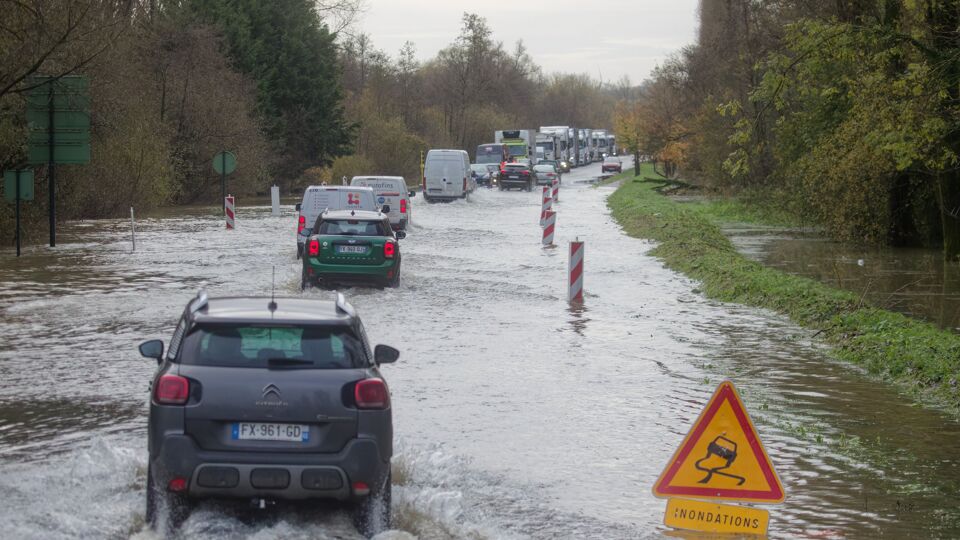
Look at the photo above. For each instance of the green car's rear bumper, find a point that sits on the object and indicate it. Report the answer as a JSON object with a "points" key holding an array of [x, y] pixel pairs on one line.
{"points": [[315, 271]]}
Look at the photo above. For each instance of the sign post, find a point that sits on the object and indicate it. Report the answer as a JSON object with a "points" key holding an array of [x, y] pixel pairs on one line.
{"points": [[224, 163], [58, 115], [18, 186], [721, 458]]}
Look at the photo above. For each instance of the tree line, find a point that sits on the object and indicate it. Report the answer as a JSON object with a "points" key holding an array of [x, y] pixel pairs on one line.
{"points": [[287, 85], [847, 113]]}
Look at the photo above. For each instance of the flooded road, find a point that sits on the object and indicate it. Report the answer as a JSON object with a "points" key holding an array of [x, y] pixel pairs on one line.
{"points": [[515, 416]]}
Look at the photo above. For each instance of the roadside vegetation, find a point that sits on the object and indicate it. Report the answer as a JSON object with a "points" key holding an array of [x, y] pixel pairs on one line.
{"points": [[843, 114], [916, 355], [289, 86]]}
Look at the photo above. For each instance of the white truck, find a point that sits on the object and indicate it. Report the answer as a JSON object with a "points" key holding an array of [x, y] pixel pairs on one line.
{"points": [[598, 144], [584, 137], [563, 145], [521, 143], [549, 144]]}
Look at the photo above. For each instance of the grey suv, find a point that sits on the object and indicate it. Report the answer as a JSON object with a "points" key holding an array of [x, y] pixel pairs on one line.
{"points": [[269, 400]]}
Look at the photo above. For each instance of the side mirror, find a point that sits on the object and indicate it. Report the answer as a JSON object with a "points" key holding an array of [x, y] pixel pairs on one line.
{"points": [[401, 235], [297, 207], [412, 194], [385, 354], [385, 209], [152, 349]]}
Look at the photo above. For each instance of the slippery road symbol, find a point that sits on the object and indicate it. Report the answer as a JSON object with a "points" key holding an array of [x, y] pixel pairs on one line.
{"points": [[724, 452]]}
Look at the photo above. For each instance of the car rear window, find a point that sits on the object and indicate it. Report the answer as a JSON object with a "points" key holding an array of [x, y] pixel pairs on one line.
{"points": [[351, 227], [262, 346]]}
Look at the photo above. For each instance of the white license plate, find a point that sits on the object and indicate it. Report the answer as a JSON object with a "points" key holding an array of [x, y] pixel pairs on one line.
{"points": [[261, 431], [351, 249]]}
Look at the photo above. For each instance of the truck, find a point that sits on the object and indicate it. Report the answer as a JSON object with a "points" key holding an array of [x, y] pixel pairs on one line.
{"points": [[548, 146], [520, 143], [585, 156], [612, 145], [598, 144], [563, 143]]}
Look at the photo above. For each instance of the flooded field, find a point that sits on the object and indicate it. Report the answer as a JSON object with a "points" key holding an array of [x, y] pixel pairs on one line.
{"points": [[515, 416], [913, 281]]}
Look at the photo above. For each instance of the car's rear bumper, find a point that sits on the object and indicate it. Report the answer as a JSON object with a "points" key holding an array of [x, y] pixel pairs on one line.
{"points": [[349, 272], [513, 182], [288, 476]]}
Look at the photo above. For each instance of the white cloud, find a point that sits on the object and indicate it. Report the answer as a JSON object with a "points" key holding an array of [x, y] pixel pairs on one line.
{"points": [[620, 37]]}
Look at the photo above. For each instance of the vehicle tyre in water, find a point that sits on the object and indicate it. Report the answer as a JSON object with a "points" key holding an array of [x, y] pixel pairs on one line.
{"points": [[395, 280], [529, 187], [371, 515], [165, 509], [304, 282]]}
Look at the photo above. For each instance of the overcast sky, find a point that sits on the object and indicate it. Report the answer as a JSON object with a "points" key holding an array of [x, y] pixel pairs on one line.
{"points": [[605, 38]]}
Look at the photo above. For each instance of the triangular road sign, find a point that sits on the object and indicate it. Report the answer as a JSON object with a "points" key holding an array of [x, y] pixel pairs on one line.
{"points": [[722, 457]]}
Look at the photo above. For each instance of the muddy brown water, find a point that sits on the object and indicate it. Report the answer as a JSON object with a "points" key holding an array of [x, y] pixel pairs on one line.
{"points": [[916, 282], [515, 416]]}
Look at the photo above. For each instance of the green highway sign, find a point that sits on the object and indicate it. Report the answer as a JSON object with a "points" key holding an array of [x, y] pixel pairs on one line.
{"points": [[224, 162], [63, 102], [10, 185]]}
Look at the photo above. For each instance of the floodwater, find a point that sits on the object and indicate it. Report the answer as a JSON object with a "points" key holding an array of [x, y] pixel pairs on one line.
{"points": [[916, 282], [515, 415]]}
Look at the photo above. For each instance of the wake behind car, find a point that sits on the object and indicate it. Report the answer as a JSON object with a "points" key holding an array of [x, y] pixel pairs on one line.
{"points": [[352, 247], [612, 164], [264, 400]]}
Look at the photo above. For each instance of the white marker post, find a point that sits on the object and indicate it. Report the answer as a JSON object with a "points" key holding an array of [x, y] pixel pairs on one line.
{"points": [[229, 210], [549, 225], [575, 273], [275, 201], [133, 230]]}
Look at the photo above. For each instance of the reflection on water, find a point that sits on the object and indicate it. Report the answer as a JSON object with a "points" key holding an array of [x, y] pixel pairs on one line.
{"points": [[916, 282]]}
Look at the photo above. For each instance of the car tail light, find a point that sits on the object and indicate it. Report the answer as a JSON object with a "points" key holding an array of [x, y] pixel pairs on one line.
{"points": [[403, 206], [361, 488], [389, 250], [371, 394], [171, 390], [302, 222], [177, 484], [313, 248]]}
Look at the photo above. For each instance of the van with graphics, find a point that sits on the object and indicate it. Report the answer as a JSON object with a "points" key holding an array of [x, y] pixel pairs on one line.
{"points": [[393, 197], [446, 175], [316, 199]]}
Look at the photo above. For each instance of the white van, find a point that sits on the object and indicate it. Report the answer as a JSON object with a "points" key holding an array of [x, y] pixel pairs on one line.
{"points": [[316, 199], [446, 175], [392, 192]]}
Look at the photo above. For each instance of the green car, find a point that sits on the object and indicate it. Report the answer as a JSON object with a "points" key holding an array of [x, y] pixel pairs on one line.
{"points": [[351, 246]]}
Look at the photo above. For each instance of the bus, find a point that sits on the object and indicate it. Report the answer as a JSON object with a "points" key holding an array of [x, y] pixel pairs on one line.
{"points": [[492, 153]]}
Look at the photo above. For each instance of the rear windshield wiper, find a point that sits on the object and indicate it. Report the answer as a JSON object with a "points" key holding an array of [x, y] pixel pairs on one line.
{"points": [[288, 362]]}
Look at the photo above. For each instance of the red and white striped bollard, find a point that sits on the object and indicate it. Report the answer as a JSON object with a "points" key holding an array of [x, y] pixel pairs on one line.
{"points": [[229, 210], [549, 226], [546, 205], [575, 273], [556, 190]]}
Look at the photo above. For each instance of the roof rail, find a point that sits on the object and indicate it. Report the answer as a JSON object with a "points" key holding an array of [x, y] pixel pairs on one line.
{"points": [[199, 302], [343, 306]]}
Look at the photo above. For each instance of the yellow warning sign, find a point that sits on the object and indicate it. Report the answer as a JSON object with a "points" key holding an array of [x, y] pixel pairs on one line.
{"points": [[722, 457], [715, 518]]}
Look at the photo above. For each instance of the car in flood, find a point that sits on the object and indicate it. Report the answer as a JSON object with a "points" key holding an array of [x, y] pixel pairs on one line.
{"points": [[262, 400], [352, 247], [545, 174], [515, 175], [612, 164]]}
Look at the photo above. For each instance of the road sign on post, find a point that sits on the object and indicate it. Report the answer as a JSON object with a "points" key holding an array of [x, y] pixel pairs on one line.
{"points": [[18, 186], [58, 115], [224, 163]]}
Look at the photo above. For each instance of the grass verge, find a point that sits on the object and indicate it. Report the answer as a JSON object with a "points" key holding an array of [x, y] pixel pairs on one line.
{"points": [[914, 354]]}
